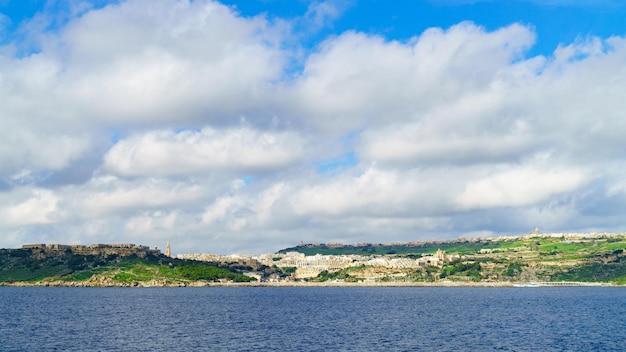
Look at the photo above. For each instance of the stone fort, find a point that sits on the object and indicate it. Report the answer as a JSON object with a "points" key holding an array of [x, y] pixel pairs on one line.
{"points": [[124, 249]]}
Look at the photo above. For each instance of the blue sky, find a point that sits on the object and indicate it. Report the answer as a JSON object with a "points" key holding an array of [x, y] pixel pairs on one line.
{"points": [[555, 22], [250, 126]]}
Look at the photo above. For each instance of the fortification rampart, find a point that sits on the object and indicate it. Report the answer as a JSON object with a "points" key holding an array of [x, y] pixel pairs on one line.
{"points": [[123, 249]]}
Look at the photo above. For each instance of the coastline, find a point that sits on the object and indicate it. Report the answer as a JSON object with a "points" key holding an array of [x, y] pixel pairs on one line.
{"points": [[165, 283]]}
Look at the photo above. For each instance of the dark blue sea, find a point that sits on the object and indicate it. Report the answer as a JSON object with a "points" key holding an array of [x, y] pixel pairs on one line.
{"points": [[313, 319]]}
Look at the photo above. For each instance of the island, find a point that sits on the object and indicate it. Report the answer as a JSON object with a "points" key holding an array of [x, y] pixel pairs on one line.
{"points": [[530, 260]]}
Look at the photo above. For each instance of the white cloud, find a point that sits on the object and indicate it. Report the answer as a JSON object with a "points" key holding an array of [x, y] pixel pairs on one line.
{"points": [[109, 195], [421, 143], [218, 143], [372, 189], [35, 206], [207, 150], [150, 223], [221, 208], [130, 64], [519, 186], [321, 13], [367, 81], [195, 60], [23, 148], [374, 193]]}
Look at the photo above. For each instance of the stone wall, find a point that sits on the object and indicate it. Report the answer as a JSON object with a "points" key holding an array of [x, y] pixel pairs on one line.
{"points": [[122, 250]]}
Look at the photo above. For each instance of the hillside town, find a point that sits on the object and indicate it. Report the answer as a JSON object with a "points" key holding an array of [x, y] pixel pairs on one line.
{"points": [[502, 260], [307, 267], [525, 251]]}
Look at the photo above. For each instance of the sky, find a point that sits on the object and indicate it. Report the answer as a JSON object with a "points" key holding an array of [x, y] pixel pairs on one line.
{"points": [[249, 126]]}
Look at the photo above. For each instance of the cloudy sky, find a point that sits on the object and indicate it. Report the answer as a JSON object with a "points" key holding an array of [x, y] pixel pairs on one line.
{"points": [[252, 125]]}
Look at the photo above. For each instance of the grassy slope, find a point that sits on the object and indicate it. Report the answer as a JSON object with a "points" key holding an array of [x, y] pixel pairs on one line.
{"points": [[142, 271], [540, 258], [28, 266], [541, 244], [383, 249]]}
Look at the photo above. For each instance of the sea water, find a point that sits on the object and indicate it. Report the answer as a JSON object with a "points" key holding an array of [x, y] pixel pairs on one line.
{"points": [[313, 319]]}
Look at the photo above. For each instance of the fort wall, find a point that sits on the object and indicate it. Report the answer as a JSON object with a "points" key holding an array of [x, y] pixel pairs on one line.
{"points": [[123, 249]]}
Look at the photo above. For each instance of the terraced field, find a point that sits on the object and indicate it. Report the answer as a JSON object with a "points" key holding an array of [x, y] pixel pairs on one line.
{"points": [[592, 258]]}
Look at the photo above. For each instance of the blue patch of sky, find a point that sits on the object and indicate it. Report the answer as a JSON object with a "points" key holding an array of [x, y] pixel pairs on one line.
{"points": [[338, 164], [4, 186], [55, 15], [342, 162], [20, 10], [248, 180], [187, 129], [12, 14], [582, 54], [116, 135], [555, 23], [28, 177], [351, 137]]}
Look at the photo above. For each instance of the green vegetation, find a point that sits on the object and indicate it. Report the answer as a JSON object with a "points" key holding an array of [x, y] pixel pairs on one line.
{"points": [[595, 272], [610, 267], [199, 271], [337, 275], [539, 244], [287, 270], [522, 259], [343, 274], [26, 265], [513, 269], [387, 249], [471, 270]]}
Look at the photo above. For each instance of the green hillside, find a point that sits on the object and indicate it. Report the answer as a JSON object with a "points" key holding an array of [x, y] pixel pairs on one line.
{"points": [[520, 259], [540, 244], [28, 265], [510, 260], [464, 247]]}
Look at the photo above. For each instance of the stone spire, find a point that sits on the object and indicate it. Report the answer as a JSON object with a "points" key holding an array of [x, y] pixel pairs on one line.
{"points": [[441, 255], [167, 249]]}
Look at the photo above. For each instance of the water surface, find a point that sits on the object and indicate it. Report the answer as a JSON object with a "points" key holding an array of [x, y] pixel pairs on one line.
{"points": [[312, 319]]}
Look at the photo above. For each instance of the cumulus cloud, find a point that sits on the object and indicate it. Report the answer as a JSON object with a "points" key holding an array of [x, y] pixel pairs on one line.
{"points": [[109, 195], [194, 152], [195, 60], [519, 186], [368, 81], [149, 223], [322, 13], [187, 123], [39, 206], [133, 63], [222, 207], [25, 150], [418, 143], [374, 192]]}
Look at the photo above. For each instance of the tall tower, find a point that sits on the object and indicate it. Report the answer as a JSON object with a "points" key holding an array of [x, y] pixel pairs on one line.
{"points": [[441, 255], [167, 249]]}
